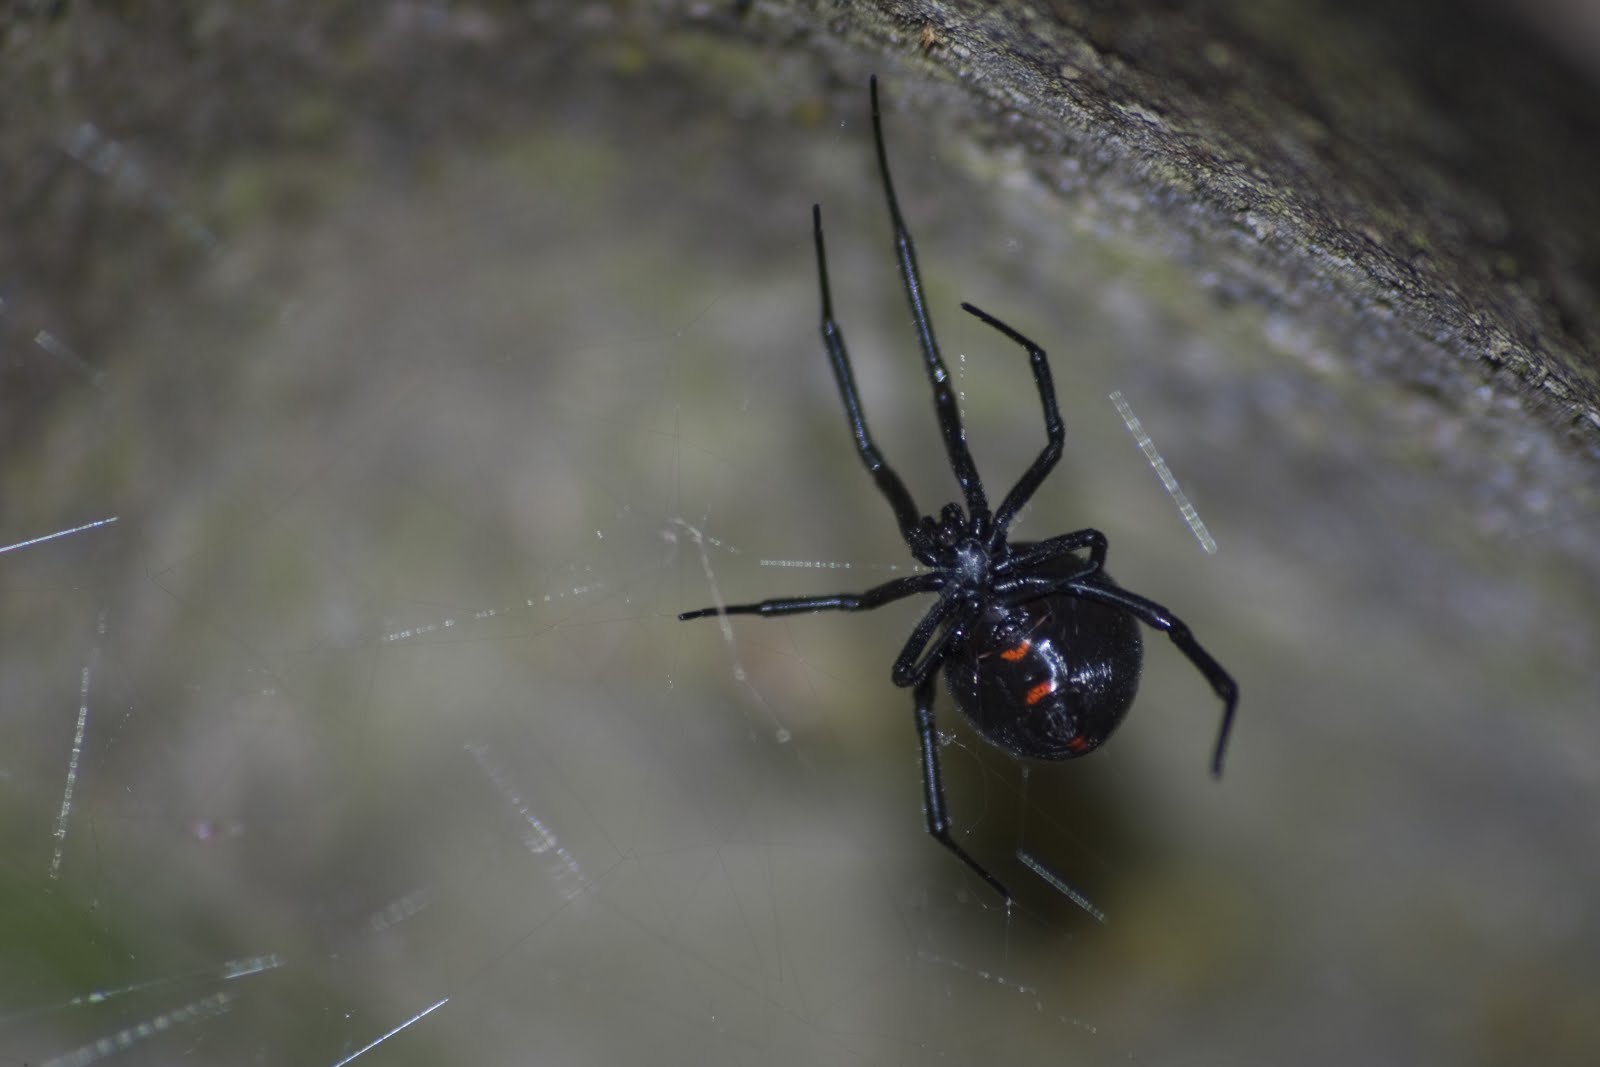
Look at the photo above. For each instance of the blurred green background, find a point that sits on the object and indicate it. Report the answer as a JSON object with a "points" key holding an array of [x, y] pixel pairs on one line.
{"points": [[431, 358]]}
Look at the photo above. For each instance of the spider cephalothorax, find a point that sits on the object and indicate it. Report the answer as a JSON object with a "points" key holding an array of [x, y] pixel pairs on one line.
{"points": [[1039, 647]]}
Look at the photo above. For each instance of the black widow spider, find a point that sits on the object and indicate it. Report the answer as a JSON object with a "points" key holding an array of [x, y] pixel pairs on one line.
{"points": [[1038, 644]]}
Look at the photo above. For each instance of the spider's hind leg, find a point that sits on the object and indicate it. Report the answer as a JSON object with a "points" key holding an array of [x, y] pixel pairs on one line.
{"points": [[935, 813], [1157, 617]]}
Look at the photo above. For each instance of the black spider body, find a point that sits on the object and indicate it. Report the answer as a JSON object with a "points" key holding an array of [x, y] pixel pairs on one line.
{"points": [[1047, 678], [1040, 648]]}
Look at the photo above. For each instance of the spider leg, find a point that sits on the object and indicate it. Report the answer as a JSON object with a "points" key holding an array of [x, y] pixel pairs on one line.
{"points": [[889, 483], [918, 659], [1025, 557], [1154, 615], [877, 596], [1055, 430], [944, 398], [935, 813]]}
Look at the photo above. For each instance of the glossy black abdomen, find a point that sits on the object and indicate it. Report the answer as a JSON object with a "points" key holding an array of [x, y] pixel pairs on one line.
{"points": [[1049, 678]]}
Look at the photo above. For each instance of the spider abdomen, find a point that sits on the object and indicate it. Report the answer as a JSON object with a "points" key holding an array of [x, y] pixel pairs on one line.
{"points": [[1049, 678]]}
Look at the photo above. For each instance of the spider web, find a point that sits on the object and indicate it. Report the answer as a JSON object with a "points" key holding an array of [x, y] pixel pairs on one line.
{"points": [[356, 697]]}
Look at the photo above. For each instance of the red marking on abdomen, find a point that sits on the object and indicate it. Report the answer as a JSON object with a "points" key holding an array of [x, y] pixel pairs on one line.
{"points": [[1038, 693], [1016, 652]]}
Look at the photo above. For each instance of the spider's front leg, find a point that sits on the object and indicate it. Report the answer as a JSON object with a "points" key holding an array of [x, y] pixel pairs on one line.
{"points": [[934, 810], [1055, 429]]}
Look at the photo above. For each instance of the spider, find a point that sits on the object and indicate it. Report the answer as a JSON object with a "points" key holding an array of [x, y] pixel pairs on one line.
{"points": [[1038, 644]]}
